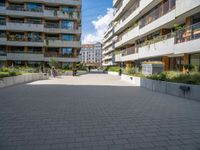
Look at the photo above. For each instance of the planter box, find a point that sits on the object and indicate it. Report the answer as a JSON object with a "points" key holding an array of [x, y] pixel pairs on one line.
{"points": [[10, 81], [149, 69], [165, 87]]}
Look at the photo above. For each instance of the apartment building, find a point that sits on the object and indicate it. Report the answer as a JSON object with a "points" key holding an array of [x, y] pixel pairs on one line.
{"points": [[91, 54], [36, 31], [108, 58], [157, 30]]}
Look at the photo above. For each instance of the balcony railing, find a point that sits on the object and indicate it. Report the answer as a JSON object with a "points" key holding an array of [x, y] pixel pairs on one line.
{"points": [[17, 8], [129, 51], [51, 25], [157, 39], [188, 33], [56, 54], [22, 8]]}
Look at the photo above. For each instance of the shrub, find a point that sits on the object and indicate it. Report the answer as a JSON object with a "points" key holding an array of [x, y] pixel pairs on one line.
{"points": [[129, 71], [113, 69], [177, 77], [4, 74]]}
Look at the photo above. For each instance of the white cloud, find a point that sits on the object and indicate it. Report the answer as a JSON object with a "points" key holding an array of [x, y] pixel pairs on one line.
{"points": [[100, 25]]}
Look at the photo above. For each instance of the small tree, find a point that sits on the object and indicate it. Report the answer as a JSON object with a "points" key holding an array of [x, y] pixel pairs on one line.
{"points": [[54, 63]]}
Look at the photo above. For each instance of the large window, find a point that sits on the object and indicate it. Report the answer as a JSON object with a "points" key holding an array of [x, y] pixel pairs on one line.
{"points": [[66, 24]]}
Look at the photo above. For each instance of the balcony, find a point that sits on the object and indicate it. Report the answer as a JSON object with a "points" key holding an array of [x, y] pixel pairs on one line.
{"points": [[118, 57], [23, 41], [157, 24], [59, 57], [25, 26], [163, 45], [2, 24], [61, 14], [107, 57], [123, 7], [108, 43], [128, 37], [127, 18], [61, 43], [188, 39], [3, 40], [64, 2], [188, 5], [21, 11], [25, 56]]}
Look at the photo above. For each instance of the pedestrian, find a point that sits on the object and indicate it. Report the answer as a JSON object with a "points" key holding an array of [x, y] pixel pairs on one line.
{"points": [[53, 72]]}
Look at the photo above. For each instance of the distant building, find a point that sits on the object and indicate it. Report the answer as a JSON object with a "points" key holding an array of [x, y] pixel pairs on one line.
{"points": [[91, 54]]}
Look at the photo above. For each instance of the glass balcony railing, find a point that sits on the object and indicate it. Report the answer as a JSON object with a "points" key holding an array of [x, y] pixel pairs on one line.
{"points": [[51, 25], [17, 8], [188, 33]]}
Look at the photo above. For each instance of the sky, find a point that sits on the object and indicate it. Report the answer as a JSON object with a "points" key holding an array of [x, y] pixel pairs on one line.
{"points": [[96, 15]]}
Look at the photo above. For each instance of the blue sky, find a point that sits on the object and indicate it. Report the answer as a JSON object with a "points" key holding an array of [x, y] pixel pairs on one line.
{"points": [[92, 9]]}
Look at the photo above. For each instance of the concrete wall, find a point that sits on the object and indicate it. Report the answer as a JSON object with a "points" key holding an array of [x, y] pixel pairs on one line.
{"points": [[113, 73], [165, 87], [189, 46], [10, 81]]}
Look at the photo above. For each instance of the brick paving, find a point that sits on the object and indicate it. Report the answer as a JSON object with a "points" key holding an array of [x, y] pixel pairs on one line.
{"points": [[95, 112]]}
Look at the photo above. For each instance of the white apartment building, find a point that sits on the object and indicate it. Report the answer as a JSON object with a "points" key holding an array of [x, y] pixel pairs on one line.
{"points": [[157, 30], [108, 58], [33, 32], [91, 54]]}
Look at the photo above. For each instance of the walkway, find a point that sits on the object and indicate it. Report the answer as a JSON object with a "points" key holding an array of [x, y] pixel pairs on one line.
{"points": [[95, 112]]}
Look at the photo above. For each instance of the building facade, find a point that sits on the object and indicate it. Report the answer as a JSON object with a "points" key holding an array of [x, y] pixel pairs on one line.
{"points": [[108, 58], [157, 30], [33, 33], [91, 54]]}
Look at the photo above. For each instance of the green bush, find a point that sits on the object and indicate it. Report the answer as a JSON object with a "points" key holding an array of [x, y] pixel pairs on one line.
{"points": [[129, 71], [177, 77], [113, 69], [4, 74]]}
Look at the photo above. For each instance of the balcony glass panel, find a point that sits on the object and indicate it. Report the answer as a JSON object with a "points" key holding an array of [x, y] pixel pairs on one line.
{"points": [[66, 24], [68, 37], [188, 33], [17, 7], [34, 7], [67, 52], [34, 37]]}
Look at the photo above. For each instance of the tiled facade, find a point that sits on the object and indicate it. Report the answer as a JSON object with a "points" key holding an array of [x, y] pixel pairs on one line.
{"points": [[157, 30], [32, 33]]}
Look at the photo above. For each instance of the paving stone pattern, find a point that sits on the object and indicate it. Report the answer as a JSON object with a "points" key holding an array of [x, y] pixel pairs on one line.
{"points": [[95, 112]]}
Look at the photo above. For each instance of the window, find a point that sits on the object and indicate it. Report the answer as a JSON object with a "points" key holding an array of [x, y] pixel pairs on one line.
{"points": [[66, 24], [68, 37], [67, 51], [68, 9], [34, 7]]}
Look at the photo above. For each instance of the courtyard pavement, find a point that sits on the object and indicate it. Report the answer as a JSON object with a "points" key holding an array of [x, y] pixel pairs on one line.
{"points": [[95, 112]]}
